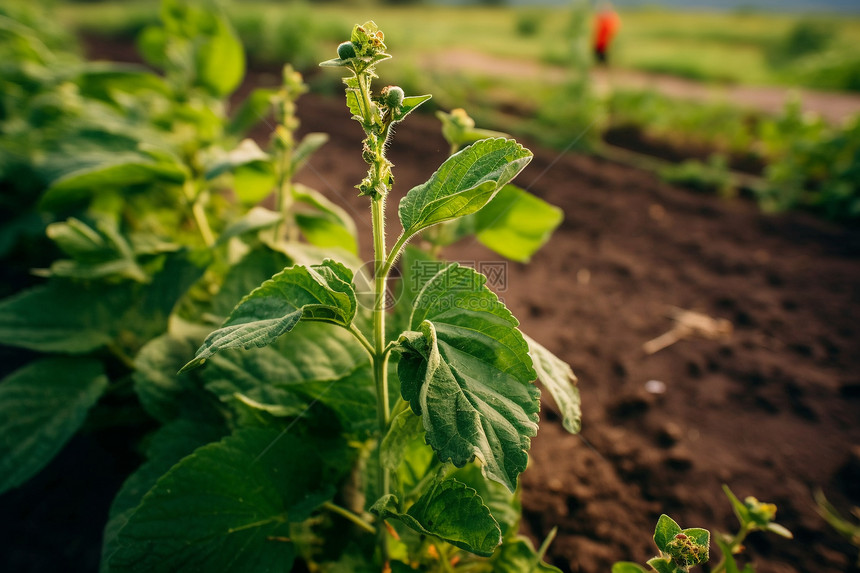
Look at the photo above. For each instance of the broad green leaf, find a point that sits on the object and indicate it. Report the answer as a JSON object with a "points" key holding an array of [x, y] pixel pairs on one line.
{"points": [[221, 59], [122, 268], [305, 196], [326, 225], [322, 292], [309, 144], [308, 255], [557, 376], [77, 239], [451, 511], [256, 219], [147, 317], [75, 318], [167, 446], [405, 454], [108, 81], [450, 232], [353, 98], [42, 405], [662, 565], [519, 556], [465, 369], [627, 567], [504, 506], [404, 430], [151, 44], [665, 531], [65, 317], [698, 535], [416, 267], [226, 507], [352, 400], [410, 104], [318, 362], [252, 111], [742, 512], [97, 252], [516, 224], [256, 267], [463, 184], [324, 231], [247, 152], [253, 182], [162, 393], [122, 172]]}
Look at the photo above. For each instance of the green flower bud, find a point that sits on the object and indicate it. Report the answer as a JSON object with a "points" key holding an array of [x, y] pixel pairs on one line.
{"points": [[461, 119], [392, 96], [367, 154], [346, 51], [760, 513], [685, 551]]}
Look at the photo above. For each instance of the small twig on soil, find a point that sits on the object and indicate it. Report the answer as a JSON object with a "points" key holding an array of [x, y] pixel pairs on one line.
{"points": [[689, 323]]}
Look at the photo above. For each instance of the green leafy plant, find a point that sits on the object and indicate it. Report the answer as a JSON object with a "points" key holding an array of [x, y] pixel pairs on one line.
{"points": [[816, 169], [445, 455], [148, 195], [681, 549], [712, 176], [323, 405]]}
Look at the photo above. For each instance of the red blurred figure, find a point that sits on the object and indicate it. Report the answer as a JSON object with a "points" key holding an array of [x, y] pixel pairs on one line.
{"points": [[606, 24]]}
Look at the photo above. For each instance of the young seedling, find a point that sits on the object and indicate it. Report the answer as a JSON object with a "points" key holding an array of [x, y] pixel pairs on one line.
{"points": [[681, 549]]}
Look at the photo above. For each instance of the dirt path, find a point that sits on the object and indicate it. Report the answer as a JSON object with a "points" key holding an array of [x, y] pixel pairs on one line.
{"points": [[832, 106]]}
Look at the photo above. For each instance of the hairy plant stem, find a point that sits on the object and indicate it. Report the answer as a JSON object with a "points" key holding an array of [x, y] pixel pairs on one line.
{"points": [[380, 356], [376, 185]]}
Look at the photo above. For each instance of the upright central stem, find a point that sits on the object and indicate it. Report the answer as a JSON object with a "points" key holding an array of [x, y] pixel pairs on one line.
{"points": [[380, 357], [284, 193]]}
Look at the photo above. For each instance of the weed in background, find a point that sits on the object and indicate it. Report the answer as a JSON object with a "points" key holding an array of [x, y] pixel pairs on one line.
{"points": [[681, 549], [710, 177], [528, 23]]}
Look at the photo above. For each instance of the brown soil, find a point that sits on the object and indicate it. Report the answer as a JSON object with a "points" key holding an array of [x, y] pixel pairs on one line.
{"points": [[771, 410]]}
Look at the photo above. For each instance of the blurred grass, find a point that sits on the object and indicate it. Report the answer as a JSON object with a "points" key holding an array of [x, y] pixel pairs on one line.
{"points": [[545, 93], [738, 47]]}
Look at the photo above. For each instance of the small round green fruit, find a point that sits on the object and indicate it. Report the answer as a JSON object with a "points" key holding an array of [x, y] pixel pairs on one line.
{"points": [[346, 51], [393, 96]]}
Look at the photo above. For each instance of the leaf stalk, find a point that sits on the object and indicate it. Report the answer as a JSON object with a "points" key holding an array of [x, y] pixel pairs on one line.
{"points": [[345, 513]]}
